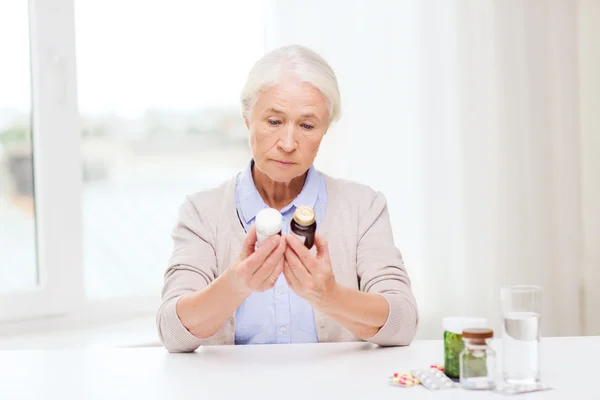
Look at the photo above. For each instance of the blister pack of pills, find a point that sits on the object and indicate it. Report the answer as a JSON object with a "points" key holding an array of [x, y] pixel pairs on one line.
{"points": [[433, 379], [404, 379], [511, 390]]}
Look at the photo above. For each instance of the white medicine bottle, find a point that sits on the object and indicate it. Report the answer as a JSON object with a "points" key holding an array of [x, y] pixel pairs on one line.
{"points": [[269, 222]]}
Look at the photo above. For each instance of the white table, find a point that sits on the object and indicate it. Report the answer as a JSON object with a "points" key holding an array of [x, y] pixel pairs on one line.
{"points": [[323, 371]]}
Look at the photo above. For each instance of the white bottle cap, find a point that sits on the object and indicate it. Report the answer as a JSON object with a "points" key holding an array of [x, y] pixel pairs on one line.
{"points": [[268, 223], [458, 324]]}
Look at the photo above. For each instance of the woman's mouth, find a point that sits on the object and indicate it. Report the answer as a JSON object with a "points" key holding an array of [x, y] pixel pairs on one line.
{"points": [[284, 163]]}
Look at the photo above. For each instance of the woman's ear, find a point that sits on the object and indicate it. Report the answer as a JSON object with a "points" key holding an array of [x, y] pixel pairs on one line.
{"points": [[247, 122]]}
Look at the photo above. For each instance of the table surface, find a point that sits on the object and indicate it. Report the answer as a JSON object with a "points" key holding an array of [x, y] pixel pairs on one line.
{"points": [[328, 371]]}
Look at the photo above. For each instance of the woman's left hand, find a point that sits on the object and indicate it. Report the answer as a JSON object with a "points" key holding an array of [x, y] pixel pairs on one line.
{"points": [[310, 277]]}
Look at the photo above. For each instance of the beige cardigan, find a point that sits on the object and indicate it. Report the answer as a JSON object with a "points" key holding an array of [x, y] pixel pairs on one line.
{"points": [[208, 238]]}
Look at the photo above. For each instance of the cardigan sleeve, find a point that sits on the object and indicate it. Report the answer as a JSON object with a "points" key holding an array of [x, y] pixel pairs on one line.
{"points": [[381, 270], [192, 267]]}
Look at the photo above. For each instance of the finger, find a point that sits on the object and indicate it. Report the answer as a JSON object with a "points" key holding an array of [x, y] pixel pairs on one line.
{"points": [[322, 248], [270, 264], [256, 259], [287, 271], [300, 271], [290, 278], [273, 276], [307, 259], [249, 243]]}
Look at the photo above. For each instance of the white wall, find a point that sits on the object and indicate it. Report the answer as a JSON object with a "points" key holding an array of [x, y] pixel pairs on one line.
{"points": [[465, 114], [589, 86]]}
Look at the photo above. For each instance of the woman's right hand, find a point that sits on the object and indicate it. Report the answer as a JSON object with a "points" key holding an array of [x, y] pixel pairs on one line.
{"points": [[204, 311], [258, 270]]}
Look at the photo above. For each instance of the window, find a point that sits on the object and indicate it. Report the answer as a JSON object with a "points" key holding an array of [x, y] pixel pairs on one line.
{"points": [[158, 87], [40, 236], [18, 266], [97, 156]]}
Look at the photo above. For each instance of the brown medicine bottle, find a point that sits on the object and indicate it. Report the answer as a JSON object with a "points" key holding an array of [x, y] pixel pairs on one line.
{"points": [[304, 226]]}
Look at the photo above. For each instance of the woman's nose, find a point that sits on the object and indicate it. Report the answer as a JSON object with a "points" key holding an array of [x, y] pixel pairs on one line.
{"points": [[287, 141]]}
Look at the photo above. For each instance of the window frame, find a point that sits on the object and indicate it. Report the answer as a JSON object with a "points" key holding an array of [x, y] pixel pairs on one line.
{"points": [[56, 168]]}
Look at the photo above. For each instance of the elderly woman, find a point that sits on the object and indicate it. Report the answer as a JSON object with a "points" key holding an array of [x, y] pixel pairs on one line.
{"points": [[351, 286]]}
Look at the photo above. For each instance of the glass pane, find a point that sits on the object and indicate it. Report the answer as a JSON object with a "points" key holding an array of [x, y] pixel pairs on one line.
{"points": [[18, 264], [158, 95]]}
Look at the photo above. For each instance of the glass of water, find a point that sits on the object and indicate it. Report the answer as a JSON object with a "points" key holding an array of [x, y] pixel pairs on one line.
{"points": [[521, 307]]}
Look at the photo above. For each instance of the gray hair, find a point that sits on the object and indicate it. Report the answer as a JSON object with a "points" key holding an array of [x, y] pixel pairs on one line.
{"points": [[297, 61]]}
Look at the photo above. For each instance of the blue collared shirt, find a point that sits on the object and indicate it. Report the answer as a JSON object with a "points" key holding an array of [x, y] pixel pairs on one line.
{"points": [[277, 315]]}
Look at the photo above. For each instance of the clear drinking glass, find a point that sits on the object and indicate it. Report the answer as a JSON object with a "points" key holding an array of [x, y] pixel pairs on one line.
{"points": [[521, 307]]}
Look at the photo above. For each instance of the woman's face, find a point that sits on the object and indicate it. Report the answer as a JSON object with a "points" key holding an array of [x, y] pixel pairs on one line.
{"points": [[286, 127]]}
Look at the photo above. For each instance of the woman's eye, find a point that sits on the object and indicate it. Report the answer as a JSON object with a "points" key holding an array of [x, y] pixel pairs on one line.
{"points": [[274, 122], [307, 126]]}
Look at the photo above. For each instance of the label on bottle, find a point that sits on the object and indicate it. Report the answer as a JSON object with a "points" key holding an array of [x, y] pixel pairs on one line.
{"points": [[301, 238], [260, 238]]}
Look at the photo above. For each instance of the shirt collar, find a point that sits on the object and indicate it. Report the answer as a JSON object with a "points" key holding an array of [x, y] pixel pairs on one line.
{"points": [[251, 202]]}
